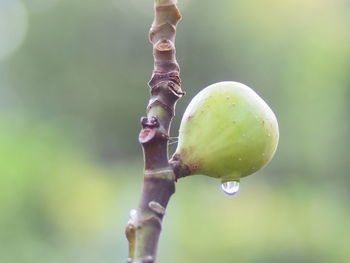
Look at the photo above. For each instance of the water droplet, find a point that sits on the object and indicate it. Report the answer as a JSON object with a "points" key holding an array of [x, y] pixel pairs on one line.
{"points": [[132, 216], [133, 213], [230, 188]]}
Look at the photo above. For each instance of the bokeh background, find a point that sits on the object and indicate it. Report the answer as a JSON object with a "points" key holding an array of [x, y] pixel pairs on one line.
{"points": [[73, 87]]}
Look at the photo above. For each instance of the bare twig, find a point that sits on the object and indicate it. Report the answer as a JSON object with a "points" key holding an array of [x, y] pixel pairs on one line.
{"points": [[144, 227]]}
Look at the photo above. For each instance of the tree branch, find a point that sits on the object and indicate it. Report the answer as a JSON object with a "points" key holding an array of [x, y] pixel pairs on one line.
{"points": [[144, 227]]}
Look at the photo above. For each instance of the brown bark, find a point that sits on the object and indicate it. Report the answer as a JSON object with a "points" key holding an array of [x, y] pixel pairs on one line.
{"points": [[143, 230]]}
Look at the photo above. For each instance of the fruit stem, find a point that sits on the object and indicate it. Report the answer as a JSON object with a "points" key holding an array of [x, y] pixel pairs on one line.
{"points": [[144, 229], [180, 169]]}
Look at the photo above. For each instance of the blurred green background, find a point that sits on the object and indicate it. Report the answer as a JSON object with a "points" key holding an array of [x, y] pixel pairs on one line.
{"points": [[73, 87]]}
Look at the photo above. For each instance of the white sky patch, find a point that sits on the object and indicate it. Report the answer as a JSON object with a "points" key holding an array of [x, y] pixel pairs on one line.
{"points": [[13, 26]]}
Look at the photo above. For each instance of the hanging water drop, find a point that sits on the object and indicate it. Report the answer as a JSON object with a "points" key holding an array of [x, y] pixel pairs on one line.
{"points": [[132, 216], [230, 188]]}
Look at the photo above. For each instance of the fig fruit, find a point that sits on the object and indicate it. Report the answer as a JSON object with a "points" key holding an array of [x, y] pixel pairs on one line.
{"points": [[227, 132]]}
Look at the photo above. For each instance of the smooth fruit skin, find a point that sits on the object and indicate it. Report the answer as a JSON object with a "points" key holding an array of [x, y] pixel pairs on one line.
{"points": [[227, 131]]}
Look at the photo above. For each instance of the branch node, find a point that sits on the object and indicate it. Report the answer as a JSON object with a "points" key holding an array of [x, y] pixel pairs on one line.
{"points": [[163, 31], [157, 208], [176, 89], [164, 45], [159, 175], [149, 129], [180, 169], [169, 11], [130, 233], [150, 122], [147, 135], [164, 76]]}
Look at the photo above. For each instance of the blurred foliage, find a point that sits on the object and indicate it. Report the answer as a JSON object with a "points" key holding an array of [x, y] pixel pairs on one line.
{"points": [[73, 85]]}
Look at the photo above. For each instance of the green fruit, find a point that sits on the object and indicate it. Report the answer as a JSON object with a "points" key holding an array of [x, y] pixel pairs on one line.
{"points": [[227, 132]]}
